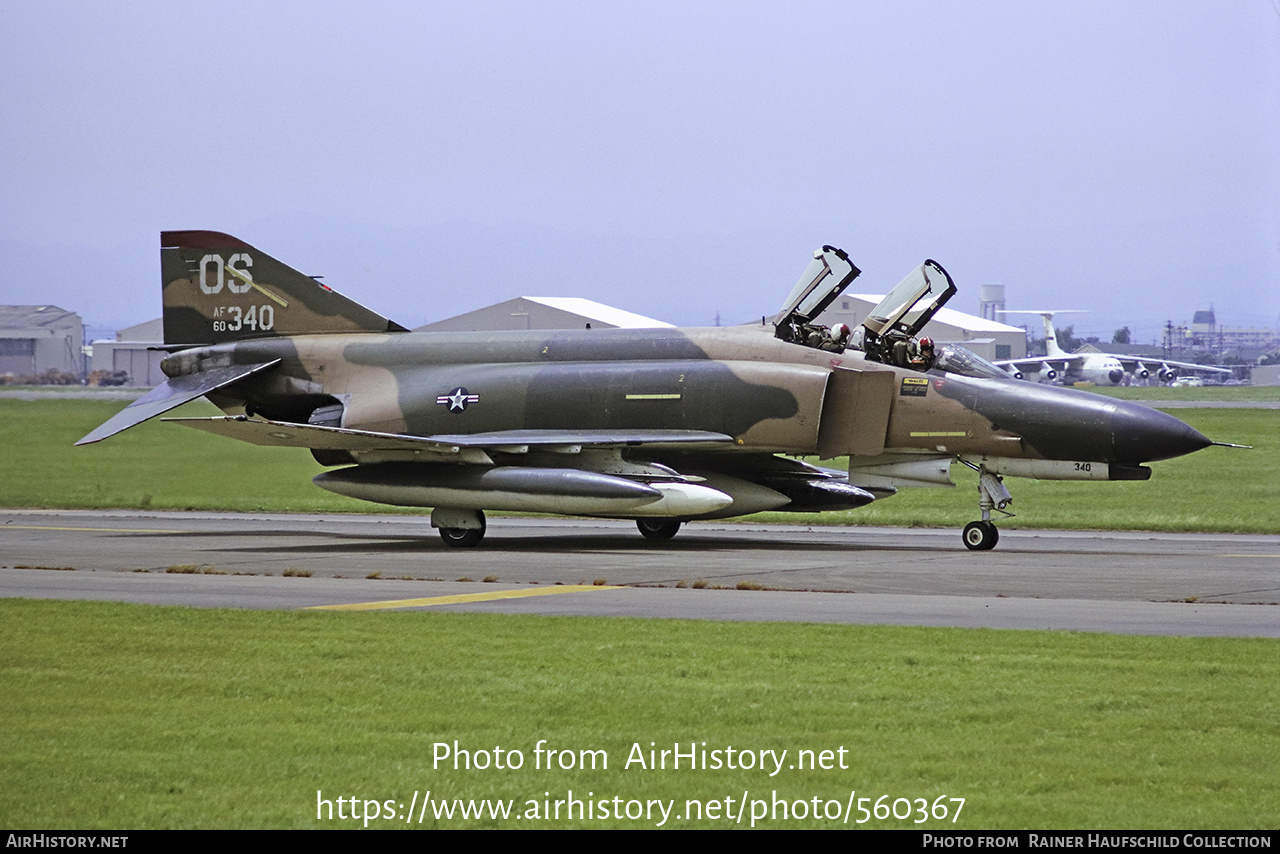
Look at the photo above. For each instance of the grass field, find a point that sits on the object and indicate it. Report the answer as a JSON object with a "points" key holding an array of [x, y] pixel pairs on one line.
{"points": [[120, 716], [164, 466], [1218, 394]]}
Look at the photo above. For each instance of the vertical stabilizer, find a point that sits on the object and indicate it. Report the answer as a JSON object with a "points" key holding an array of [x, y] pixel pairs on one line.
{"points": [[1050, 336], [218, 288], [1052, 350]]}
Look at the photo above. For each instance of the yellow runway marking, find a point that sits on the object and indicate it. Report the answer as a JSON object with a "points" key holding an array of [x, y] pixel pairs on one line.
{"points": [[107, 530], [462, 598]]}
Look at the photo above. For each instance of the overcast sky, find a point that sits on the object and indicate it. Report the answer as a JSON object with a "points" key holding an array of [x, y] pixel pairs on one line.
{"points": [[675, 159]]}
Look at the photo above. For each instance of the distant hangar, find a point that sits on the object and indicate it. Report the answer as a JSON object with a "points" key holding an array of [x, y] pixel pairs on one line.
{"points": [[37, 339], [544, 313]]}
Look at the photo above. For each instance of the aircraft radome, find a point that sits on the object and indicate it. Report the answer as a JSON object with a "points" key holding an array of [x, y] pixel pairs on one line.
{"points": [[661, 426], [1097, 368]]}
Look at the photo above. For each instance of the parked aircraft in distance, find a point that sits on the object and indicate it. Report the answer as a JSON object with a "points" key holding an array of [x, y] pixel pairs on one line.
{"points": [[661, 426], [1097, 368]]}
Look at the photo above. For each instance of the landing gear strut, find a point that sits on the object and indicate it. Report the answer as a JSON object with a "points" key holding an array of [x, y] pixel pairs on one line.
{"points": [[983, 535], [658, 529], [459, 528]]}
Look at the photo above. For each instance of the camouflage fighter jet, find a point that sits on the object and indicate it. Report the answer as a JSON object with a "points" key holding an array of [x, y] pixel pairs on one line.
{"points": [[661, 426]]}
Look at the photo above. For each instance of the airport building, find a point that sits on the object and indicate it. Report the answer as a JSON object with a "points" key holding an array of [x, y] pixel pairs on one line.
{"points": [[37, 339], [544, 313], [128, 357]]}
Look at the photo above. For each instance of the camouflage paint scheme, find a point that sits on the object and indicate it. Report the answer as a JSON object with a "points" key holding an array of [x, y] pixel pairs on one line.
{"points": [[657, 424]]}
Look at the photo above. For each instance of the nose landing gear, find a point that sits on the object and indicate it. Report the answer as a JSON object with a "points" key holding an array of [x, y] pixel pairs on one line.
{"points": [[983, 535]]}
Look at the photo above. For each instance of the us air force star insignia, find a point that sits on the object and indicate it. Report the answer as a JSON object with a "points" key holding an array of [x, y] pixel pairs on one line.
{"points": [[457, 399]]}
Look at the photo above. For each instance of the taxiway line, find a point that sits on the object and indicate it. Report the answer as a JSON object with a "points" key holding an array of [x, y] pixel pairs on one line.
{"points": [[463, 598]]}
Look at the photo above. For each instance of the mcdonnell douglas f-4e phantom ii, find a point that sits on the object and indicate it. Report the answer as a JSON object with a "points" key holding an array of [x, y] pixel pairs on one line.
{"points": [[661, 426]]}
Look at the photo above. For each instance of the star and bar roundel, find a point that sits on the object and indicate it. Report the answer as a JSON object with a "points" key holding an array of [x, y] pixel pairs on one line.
{"points": [[458, 399]]}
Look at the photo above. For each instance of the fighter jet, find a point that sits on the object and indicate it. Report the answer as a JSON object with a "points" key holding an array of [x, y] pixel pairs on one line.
{"points": [[662, 426], [1097, 368]]}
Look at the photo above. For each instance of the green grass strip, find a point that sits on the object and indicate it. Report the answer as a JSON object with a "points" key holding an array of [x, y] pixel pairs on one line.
{"points": [[128, 716]]}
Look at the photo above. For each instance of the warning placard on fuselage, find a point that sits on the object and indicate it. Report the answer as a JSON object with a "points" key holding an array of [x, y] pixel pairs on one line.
{"points": [[914, 387]]}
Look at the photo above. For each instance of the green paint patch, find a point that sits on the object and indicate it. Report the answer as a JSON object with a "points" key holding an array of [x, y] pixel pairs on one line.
{"points": [[131, 716]]}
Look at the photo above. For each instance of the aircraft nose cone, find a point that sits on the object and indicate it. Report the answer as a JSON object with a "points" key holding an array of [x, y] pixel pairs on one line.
{"points": [[1141, 435]]}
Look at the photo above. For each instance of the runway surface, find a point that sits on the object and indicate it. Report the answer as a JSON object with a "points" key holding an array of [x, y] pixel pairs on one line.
{"points": [[1133, 583]]}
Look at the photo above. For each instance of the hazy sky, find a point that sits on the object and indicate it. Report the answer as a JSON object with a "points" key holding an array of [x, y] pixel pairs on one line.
{"points": [[674, 159]]}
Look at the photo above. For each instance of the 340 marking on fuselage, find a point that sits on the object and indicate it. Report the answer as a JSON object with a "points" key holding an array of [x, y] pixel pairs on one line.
{"points": [[259, 317]]}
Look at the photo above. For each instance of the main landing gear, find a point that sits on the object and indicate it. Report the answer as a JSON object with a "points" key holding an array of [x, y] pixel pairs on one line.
{"points": [[983, 535], [658, 529], [459, 528]]}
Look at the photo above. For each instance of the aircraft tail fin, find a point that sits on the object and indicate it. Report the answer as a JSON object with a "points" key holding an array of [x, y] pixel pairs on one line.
{"points": [[1051, 346], [218, 288]]}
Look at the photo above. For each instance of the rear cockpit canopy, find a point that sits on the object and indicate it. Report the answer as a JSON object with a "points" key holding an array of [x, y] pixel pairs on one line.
{"points": [[891, 327], [905, 311]]}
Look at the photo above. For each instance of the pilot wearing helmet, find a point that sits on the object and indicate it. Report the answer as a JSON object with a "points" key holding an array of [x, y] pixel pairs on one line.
{"points": [[838, 338], [925, 355]]}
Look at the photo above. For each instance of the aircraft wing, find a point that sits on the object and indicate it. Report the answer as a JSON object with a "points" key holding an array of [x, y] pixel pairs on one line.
{"points": [[1130, 363], [1032, 364], [311, 436], [173, 392]]}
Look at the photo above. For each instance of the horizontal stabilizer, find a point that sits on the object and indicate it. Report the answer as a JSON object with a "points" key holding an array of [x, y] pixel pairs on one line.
{"points": [[171, 393]]}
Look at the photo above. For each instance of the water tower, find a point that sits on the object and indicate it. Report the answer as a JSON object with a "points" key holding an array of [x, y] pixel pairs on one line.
{"points": [[992, 305]]}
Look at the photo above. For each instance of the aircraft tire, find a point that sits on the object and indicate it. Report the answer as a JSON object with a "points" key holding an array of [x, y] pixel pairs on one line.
{"points": [[463, 538], [658, 529], [981, 536]]}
